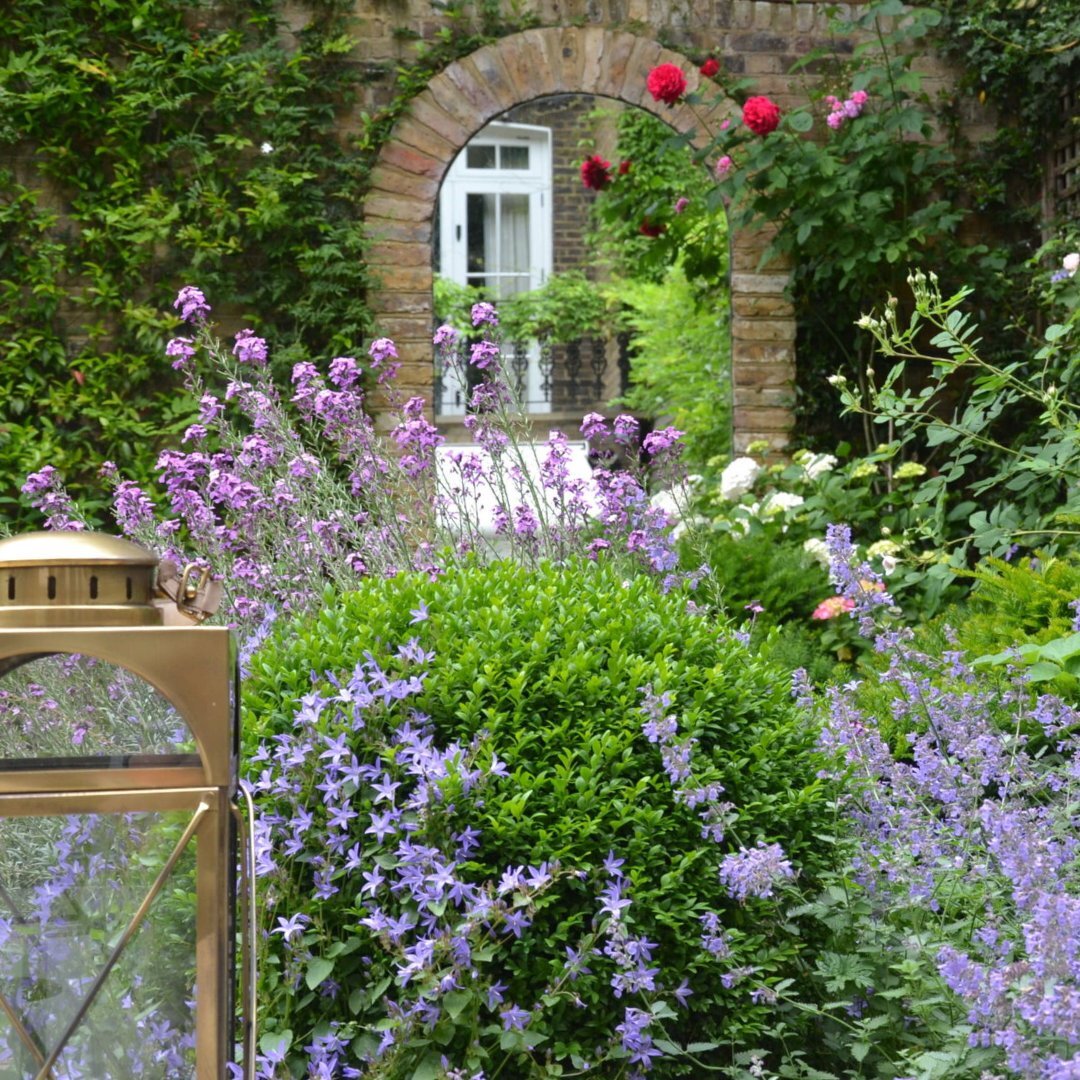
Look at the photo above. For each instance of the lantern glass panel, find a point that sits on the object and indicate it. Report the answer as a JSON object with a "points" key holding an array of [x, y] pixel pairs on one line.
{"points": [[69, 889], [78, 711]]}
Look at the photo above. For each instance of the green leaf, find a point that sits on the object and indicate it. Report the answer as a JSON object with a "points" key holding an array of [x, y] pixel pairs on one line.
{"points": [[1043, 671], [318, 971], [936, 434], [275, 1040], [800, 120], [859, 1049], [1061, 649], [456, 1002], [429, 1068]]}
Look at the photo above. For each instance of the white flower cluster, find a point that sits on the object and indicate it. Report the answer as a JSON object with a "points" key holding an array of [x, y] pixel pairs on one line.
{"points": [[738, 478], [818, 550], [777, 502], [675, 502], [815, 465], [887, 551]]}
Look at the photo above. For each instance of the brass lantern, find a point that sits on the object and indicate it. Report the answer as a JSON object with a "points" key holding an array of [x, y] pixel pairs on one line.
{"points": [[118, 863]]}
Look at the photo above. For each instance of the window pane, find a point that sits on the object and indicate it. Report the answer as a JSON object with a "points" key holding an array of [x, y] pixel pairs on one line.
{"points": [[480, 157], [514, 157], [514, 234], [480, 248], [68, 887], [71, 711], [510, 284]]}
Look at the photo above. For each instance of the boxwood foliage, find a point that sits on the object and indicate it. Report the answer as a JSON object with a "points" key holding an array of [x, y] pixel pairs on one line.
{"points": [[549, 664]]}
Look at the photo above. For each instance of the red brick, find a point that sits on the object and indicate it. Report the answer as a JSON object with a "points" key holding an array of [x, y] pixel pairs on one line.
{"points": [[419, 136], [469, 85], [394, 181], [762, 329], [489, 69], [380, 228], [411, 160], [388, 254], [643, 58], [424, 109]]}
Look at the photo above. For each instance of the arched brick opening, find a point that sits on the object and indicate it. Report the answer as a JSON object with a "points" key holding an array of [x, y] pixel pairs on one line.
{"points": [[457, 103]]}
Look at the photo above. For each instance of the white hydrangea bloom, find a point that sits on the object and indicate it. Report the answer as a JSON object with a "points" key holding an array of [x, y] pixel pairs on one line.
{"points": [[675, 502], [818, 550], [777, 502], [817, 464], [738, 477]]}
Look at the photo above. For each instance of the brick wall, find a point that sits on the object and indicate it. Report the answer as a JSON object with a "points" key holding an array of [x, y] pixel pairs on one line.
{"points": [[604, 48]]}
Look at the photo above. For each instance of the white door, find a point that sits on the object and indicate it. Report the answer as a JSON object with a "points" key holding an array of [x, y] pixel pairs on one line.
{"points": [[495, 233]]}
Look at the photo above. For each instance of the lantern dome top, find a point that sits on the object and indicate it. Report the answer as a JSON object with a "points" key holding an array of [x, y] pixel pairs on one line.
{"points": [[72, 549], [76, 579]]}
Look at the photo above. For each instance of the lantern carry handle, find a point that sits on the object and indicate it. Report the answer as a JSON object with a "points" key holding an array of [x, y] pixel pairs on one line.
{"points": [[192, 589]]}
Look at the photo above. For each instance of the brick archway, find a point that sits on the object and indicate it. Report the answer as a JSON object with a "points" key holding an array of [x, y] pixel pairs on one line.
{"points": [[456, 104]]}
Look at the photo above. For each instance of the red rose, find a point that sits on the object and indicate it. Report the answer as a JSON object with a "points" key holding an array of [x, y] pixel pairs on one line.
{"points": [[624, 167], [651, 228], [761, 115], [710, 67], [666, 83], [596, 172]]}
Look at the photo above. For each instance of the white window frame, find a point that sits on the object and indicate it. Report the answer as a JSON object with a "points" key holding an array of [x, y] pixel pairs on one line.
{"points": [[535, 182]]}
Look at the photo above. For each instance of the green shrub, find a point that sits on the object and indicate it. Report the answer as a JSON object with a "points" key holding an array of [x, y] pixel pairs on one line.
{"points": [[548, 666]]}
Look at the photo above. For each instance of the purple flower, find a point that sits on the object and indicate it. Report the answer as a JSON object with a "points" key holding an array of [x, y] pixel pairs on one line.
{"points": [[634, 1037], [181, 350], [42, 480], [210, 408], [594, 426], [660, 442], [445, 336], [292, 926], [627, 429], [381, 350], [514, 1018], [483, 312], [192, 304], [250, 349], [483, 354], [344, 371], [753, 872]]}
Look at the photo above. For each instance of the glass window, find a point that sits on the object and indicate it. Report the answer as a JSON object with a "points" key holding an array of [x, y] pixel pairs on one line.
{"points": [[480, 157], [68, 888], [514, 157]]}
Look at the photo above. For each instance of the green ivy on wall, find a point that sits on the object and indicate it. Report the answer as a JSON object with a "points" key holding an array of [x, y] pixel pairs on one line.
{"points": [[147, 145]]}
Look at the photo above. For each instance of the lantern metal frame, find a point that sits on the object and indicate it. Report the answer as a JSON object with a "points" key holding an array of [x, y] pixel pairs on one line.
{"points": [[195, 670]]}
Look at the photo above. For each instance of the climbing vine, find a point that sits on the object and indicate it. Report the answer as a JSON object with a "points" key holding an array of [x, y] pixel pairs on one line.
{"points": [[147, 144]]}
